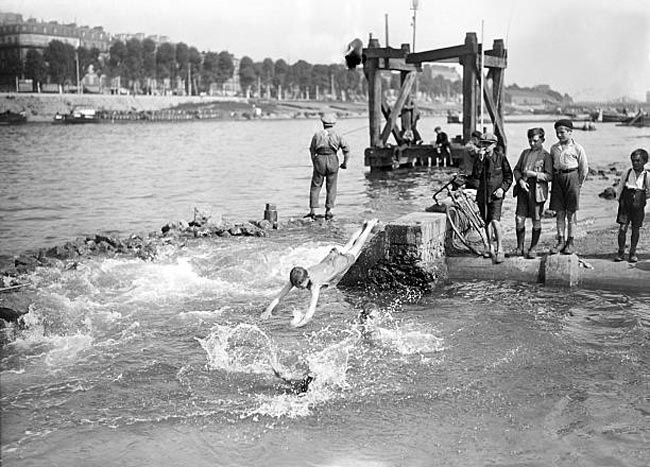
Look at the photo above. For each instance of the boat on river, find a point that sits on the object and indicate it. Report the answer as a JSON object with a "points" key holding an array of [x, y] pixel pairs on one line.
{"points": [[453, 117], [13, 118], [641, 119], [77, 115]]}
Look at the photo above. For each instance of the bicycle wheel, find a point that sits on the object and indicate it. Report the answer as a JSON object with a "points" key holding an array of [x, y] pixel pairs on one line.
{"points": [[463, 235]]}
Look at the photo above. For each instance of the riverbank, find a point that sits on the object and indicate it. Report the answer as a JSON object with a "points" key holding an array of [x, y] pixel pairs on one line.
{"points": [[43, 107]]}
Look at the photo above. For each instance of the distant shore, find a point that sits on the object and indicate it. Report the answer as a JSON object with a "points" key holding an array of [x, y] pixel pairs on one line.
{"points": [[42, 107]]}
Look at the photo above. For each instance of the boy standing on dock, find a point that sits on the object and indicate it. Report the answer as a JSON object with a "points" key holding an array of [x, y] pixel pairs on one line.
{"points": [[324, 147], [493, 174], [632, 194], [570, 170], [532, 173]]}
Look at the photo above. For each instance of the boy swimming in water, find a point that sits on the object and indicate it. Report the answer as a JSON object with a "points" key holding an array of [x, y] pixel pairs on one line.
{"points": [[328, 272]]}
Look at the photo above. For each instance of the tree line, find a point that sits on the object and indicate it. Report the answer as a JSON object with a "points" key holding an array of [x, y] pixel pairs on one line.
{"points": [[141, 63]]}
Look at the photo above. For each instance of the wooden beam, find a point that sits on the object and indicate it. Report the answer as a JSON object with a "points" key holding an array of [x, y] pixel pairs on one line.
{"points": [[404, 93], [491, 61], [385, 109], [443, 54], [384, 52], [398, 64], [493, 110]]}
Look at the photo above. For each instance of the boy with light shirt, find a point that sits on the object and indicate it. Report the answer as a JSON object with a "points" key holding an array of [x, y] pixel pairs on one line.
{"points": [[632, 194], [570, 169]]}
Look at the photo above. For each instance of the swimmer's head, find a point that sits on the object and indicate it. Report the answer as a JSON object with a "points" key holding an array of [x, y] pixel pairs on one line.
{"points": [[299, 277], [369, 311]]}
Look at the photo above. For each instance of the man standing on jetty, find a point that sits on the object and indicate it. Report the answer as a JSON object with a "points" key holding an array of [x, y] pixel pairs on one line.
{"points": [[570, 170], [324, 147]]}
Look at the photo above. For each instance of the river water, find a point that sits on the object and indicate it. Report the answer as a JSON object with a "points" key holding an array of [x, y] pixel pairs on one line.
{"points": [[165, 362]]}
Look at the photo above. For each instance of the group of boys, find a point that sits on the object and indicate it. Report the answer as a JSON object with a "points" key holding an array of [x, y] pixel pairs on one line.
{"points": [[565, 167]]}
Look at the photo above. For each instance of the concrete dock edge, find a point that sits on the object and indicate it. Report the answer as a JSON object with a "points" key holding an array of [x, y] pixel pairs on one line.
{"points": [[410, 251]]}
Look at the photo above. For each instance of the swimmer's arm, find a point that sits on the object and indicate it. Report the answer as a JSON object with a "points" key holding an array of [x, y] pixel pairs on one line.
{"points": [[299, 321], [283, 293]]}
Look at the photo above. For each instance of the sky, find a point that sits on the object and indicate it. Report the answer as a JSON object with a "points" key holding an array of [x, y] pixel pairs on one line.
{"points": [[590, 49]]}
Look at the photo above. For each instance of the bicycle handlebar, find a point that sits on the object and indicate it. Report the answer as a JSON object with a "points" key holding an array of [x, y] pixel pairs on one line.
{"points": [[451, 185]]}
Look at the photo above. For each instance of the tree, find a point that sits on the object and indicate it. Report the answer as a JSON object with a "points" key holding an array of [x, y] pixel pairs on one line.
{"points": [[209, 70], [117, 54], [149, 58], [13, 67], [301, 76], [247, 75], [225, 67], [182, 59], [134, 60], [320, 77], [267, 72], [280, 72], [35, 68], [195, 60], [165, 61], [60, 59]]}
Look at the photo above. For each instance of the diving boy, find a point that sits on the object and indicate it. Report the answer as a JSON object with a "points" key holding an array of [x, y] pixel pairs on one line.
{"points": [[328, 272]]}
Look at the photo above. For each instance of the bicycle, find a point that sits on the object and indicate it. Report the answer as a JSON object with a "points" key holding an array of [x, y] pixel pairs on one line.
{"points": [[467, 226]]}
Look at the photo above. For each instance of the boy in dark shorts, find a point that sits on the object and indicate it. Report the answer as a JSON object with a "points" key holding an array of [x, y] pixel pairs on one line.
{"points": [[493, 175], [632, 193], [570, 170], [532, 173]]}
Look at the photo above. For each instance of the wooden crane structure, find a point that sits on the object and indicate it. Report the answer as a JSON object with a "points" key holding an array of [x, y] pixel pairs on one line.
{"points": [[382, 155]]}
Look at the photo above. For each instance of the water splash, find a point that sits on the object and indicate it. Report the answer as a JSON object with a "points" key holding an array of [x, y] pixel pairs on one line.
{"points": [[242, 348]]}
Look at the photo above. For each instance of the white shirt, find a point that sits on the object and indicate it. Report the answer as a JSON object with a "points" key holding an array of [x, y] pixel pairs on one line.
{"points": [[635, 183]]}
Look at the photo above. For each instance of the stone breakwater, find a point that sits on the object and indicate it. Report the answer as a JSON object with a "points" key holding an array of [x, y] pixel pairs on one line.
{"points": [[143, 246]]}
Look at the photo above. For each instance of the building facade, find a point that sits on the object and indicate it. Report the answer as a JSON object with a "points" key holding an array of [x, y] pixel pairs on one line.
{"points": [[18, 36]]}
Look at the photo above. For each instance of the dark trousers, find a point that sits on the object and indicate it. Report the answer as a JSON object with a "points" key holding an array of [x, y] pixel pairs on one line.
{"points": [[326, 167]]}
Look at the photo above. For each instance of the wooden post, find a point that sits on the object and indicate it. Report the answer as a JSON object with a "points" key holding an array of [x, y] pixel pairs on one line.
{"points": [[497, 91], [373, 74], [469, 85]]}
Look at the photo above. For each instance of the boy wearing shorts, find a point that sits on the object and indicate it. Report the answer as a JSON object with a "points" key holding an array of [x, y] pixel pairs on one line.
{"points": [[570, 170], [632, 193]]}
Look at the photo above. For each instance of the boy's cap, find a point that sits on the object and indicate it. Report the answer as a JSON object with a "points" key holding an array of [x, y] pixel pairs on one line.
{"points": [[328, 119], [565, 122], [489, 137]]}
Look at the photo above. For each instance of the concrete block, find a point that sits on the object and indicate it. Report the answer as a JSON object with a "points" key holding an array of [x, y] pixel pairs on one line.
{"points": [[561, 270], [409, 252], [417, 236], [623, 276], [465, 268]]}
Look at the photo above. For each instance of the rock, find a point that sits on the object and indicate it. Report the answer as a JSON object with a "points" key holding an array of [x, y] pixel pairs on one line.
{"points": [[236, 230], [264, 224], [608, 193], [250, 230], [112, 241], [10, 315]]}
